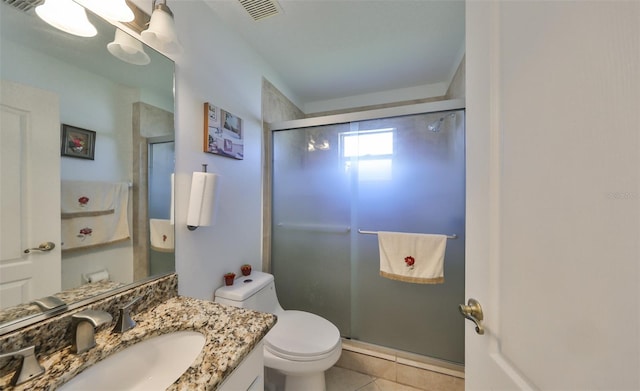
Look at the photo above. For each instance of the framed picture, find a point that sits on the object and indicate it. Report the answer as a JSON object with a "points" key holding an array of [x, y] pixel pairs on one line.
{"points": [[222, 133], [78, 142]]}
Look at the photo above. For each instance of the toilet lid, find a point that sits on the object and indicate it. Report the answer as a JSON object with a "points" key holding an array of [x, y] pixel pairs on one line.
{"points": [[302, 336]]}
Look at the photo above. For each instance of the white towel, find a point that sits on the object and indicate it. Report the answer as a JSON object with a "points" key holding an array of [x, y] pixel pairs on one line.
{"points": [[417, 258], [161, 232], [88, 198], [92, 230]]}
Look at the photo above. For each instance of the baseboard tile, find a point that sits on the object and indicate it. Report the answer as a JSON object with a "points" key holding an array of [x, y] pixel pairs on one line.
{"points": [[369, 365], [369, 350], [370, 356], [431, 367]]}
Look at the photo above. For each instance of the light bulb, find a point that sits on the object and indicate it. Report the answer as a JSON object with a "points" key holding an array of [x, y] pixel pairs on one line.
{"points": [[128, 49], [161, 33], [67, 16]]}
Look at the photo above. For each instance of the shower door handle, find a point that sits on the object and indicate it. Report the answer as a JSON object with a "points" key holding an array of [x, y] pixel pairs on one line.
{"points": [[473, 312]]}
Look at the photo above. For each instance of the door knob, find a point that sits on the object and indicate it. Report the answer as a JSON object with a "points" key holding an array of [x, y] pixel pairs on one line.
{"points": [[47, 246], [473, 312]]}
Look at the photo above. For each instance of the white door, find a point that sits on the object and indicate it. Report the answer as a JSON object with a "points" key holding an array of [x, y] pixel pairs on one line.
{"points": [[553, 124], [29, 193]]}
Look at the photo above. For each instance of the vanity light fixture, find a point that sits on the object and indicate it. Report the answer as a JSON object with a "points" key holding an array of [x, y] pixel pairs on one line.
{"points": [[68, 16], [113, 9], [128, 49], [161, 33]]}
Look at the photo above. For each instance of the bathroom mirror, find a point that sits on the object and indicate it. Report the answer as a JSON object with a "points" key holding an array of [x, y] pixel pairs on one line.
{"points": [[130, 109]]}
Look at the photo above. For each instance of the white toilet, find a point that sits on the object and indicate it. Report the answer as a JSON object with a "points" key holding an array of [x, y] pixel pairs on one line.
{"points": [[301, 346]]}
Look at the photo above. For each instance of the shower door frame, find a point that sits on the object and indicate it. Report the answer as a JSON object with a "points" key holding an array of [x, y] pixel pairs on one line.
{"points": [[421, 108], [417, 109]]}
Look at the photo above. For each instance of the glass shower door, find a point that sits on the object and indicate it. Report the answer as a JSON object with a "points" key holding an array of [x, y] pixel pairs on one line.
{"points": [[401, 174], [311, 223], [420, 189], [161, 156]]}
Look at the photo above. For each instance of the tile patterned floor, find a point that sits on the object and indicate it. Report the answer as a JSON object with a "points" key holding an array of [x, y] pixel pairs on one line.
{"points": [[340, 379]]}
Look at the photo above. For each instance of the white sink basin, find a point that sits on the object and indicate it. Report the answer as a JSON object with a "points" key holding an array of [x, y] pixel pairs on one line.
{"points": [[153, 364]]}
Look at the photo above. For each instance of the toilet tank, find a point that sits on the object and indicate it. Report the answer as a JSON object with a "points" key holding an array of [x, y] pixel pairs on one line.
{"points": [[256, 291]]}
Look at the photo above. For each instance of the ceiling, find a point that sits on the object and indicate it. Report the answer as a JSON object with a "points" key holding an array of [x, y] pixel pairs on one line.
{"points": [[329, 49]]}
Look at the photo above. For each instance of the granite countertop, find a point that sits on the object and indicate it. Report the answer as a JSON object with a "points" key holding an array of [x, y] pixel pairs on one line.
{"points": [[231, 334]]}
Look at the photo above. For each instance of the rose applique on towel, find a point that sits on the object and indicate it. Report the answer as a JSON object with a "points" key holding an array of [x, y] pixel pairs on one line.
{"points": [[83, 201], [84, 232], [409, 261]]}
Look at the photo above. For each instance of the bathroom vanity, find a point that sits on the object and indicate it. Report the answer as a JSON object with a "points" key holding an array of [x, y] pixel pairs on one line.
{"points": [[231, 358]]}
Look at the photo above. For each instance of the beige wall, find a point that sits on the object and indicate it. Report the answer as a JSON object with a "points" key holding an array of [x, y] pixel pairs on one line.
{"points": [[456, 88], [275, 106]]}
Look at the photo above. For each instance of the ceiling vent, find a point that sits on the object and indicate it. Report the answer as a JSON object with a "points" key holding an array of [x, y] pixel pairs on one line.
{"points": [[24, 5], [260, 9]]}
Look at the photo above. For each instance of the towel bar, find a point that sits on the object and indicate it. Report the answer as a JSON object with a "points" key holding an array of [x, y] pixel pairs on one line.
{"points": [[360, 231], [316, 227]]}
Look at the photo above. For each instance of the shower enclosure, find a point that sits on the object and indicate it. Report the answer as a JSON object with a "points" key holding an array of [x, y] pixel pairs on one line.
{"points": [[161, 161], [338, 176]]}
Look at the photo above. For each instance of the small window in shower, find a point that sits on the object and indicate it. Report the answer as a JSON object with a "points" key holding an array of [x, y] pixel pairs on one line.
{"points": [[369, 152]]}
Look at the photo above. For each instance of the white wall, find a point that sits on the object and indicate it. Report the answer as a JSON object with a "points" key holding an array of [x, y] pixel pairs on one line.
{"points": [[217, 66]]}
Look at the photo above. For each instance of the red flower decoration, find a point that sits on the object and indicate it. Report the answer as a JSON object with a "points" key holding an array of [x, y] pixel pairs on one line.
{"points": [[409, 261], [83, 200], [84, 232]]}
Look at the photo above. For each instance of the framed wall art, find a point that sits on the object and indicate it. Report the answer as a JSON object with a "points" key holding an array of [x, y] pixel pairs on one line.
{"points": [[223, 133], [78, 142]]}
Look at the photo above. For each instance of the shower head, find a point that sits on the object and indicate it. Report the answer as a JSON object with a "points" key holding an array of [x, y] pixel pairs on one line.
{"points": [[435, 125]]}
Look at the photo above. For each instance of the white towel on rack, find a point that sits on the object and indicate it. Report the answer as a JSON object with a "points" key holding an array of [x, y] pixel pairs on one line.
{"points": [[161, 235], [417, 258], [88, 230], [88, 198]]}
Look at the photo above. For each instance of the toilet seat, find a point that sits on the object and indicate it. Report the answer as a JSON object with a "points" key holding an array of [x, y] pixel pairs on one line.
{"points": [[302, 336]]}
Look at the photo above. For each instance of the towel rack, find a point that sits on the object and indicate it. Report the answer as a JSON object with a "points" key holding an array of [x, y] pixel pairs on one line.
{"points": [[360, 231], [316, 227]]}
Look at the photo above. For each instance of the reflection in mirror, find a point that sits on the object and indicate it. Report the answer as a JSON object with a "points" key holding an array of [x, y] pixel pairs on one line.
{"points": [[64, 79]]}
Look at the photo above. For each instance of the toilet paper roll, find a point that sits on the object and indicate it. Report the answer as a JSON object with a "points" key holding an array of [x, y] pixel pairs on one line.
{"points": [[97, 276], [203, 199]]}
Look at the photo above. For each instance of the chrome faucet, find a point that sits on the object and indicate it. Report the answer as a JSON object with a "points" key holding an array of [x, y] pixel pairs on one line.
{"points": [[83, 328], [124, 321], [29, 367]]}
